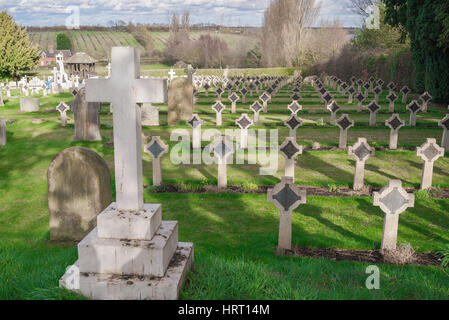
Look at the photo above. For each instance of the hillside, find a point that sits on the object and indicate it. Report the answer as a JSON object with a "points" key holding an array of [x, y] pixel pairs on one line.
{"points": [[98, 43]]}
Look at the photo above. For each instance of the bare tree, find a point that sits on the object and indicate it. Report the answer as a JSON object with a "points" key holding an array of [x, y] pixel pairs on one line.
{"points": [[361, 6], [284, 28]]}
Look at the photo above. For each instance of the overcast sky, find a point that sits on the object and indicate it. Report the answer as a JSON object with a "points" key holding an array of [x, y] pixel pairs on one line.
{"points": [[224, 12]]}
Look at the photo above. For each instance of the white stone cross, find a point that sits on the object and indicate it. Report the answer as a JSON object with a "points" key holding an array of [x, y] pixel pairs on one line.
{"points": [[429, 152], [156, 148], [244, 122], [392, 200], [222, 149], [395, 123], [344, 123], [256, 107], [373, 108], [172, 74], [361, 152], [290, 150], [218, 107], [333, 108], [414, 107], [233, 98], [286, 196], [124, 90], [195, 123], [293, 123], [425, 98]]}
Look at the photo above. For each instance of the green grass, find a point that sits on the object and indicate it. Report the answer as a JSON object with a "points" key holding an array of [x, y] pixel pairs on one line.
{"points": [[235, 234]]}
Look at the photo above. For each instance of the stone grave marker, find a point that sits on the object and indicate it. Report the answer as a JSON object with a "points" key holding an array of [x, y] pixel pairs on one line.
{"points": [[395, 123], [290, 150], [327, 98], [233, 98], [391, 87], [2, 132], [361, 151], [344, 123], [180, 100], [87, 118], [222, 150], [367, 87], [150, 115], [294, 107], [351, 92], [333, 108], [392, 200], [359, 85], [373, 108], [147, 262], [256, 107], [63, 108], [190, 71], [29, 104], [293, 123], [425, 98], [2, 104], [79, 188], [405, 91], [244, 122], [218, 107], [156, 148], [392, 97], [359, 98], [380, 83], [206, 88], [429, 152], [296, 97], [219, 93], [444, 123], [244, 92], [172, 74], [265, 97], [414, 108], [195, 123], [377, 91], [286, 196]]}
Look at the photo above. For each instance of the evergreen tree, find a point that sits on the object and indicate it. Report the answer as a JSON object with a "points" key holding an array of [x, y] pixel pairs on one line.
{"points": [[16, 51], [63, 42], [425, 22]]}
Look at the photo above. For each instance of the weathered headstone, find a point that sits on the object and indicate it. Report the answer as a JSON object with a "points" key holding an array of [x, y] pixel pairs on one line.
{"points": [[444, 123], [195, 123], [244, 92], [190, 71], [219, 93], [2, 132], [373, 108], [414, 108], [79, 188], [150, 115], [286, 196], [377, 91], [156, 148], [244, 122], [392, 200], [359, 98], [29, 104], [344, 122], [87, 118], [180, 101], [429, 152], [290, 150], [361, 152], [351, 92], [218, 107], [63, 108], [2, 104], [395, 123]]}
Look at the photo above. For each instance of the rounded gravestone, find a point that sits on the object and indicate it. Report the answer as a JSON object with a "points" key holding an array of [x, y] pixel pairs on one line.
{"points": [[180, 101], [79, 188], [29, 104]]}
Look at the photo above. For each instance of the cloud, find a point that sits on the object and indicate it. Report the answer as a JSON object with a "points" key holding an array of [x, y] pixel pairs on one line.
{"points": [[228, 12]]}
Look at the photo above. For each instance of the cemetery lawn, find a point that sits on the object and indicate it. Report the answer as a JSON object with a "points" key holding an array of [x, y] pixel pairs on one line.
{"points": [[235, 234]]}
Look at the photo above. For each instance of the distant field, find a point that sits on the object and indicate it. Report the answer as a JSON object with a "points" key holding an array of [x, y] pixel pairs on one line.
{"points": [[98, 43]]}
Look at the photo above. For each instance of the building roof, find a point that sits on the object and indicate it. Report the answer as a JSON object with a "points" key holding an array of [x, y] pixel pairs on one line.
{"points": [[53, 53], [80, 58]]}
